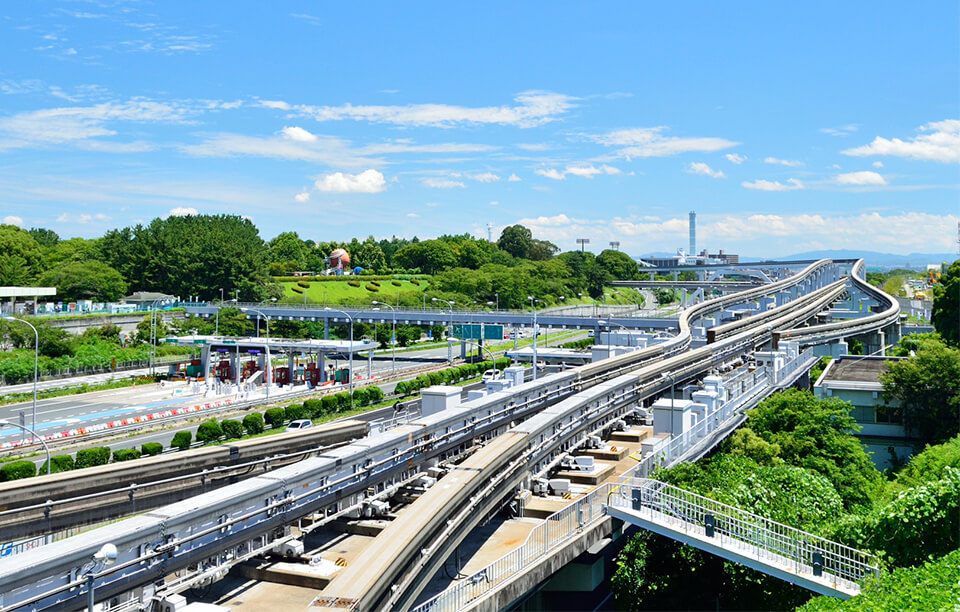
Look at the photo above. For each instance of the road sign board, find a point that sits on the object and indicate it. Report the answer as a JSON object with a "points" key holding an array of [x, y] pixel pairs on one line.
{"points": [[472, 331]]}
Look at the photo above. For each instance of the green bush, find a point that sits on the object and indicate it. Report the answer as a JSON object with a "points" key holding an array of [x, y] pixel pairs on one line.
{"points": [[125, 454], [312, 408], [253, 423], [294, 412], [15, 470], [343, 401], [181, 440], [353, 283], [415, 282], [359, 397], [402, 388], [397, 283], [151, 449], [297, 290], [90, 457], [303, 284], [372, 289], [274, 417], [61, 463], [231, 429], [374, 394], [209, 431], [329, 404], [375, 283], [435, 378]]}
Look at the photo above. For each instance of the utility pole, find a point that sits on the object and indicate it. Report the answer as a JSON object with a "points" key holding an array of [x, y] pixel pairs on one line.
{"points": [[583, 242]]}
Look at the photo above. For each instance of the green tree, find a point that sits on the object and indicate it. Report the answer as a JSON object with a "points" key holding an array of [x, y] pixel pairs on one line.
{"points": [[369, 256], [927, 386], [20, 256], [194, 255], [541, 250], [46, 238], [88, 280], [516, 240], [946, 305], [618, 264], [287, 247]]}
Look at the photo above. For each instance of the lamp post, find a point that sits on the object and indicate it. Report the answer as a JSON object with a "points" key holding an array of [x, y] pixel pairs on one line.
{"points": [[533, 308], [625, 328], [107, 555], [351, 348], [153, 333], [32, 433], [267, 370], [449, 303], [672, 383], [393, 337], [36, 362]]}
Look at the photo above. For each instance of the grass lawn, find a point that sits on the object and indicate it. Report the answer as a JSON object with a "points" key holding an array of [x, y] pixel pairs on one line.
{"points": [[340, 292]]}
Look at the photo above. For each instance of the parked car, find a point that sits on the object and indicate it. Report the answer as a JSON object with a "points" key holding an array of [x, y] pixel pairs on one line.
{"points": [[299, 424], [492, 374]]}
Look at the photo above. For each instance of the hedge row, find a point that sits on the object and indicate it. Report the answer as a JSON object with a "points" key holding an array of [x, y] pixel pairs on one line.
{"points": [[449, 375], [578, 344], [410, 276], [208, 431]]}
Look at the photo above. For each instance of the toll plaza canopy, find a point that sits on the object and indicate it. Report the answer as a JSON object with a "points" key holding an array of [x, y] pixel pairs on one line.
{"points": [[226, 355]]}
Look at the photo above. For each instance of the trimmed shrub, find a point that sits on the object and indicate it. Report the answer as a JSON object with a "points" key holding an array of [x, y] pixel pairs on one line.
{"points": [[253, 423], [360, 397], [396, 283], [231, 429], [415, 282], [375, 283], [151, 449], [297, 290], [435, 378], [329, 404], [303, 284], [402, 388], [372, 289], [209, 431], [294, 412], [181, 440], [125, 454], [61, 463], [90, 457], [353, 283], [15, 470], [374, 394], [312, 408], [274, 417], [343, 401]]}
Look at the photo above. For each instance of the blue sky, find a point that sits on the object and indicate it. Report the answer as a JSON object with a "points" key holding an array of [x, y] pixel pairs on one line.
{"points": [[787, 127]]}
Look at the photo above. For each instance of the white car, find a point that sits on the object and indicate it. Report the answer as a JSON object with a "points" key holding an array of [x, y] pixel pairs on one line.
{"points": [[299, 424], [491, 375]]}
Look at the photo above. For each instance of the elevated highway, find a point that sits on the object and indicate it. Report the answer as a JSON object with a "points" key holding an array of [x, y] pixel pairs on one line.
{"points": [[208, 533]]}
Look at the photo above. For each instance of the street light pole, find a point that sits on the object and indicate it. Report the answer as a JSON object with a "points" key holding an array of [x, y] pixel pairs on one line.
{"points": [[449, 303], [672, 383], [533, 307], [107, 555], [393, 337], [267, 370], [36, 362], [625, 328], [32, 433], [351, 349]]}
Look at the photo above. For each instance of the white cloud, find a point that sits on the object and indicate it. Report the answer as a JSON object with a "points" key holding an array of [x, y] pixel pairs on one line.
{"points": [[486, 177], [494, 203], [735, 158], [550, 173], [13, 220], [299, 134], [705, 170], [844, 130], [552, 221], [413, 215], [441, 183], [783, 162], [877, 164], [274, 104], [582, 170], [368, 181], [181, 211], [532, 108], [865, 177], [650, 142], [513, 178], [534, 147], [302, 197], [762, 185], [938, 141]]}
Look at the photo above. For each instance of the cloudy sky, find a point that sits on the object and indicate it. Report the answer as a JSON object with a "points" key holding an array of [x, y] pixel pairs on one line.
{"points": [[787, 127]]}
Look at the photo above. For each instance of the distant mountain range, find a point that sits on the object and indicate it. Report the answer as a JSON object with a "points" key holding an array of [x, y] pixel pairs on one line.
{"points": [[873, 259]]}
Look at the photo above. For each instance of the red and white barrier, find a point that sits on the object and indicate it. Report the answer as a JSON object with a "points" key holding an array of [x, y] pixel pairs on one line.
{"points": [[83, 431]]}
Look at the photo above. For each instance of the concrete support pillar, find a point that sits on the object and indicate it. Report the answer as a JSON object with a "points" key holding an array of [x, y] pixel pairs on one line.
{"points": [[676, 276], [321, 363], [326, 329], [369, 365], [291, 368]]}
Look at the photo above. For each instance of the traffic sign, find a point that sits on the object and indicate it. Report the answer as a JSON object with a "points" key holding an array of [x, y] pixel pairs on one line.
{"points": [[472, 331]]}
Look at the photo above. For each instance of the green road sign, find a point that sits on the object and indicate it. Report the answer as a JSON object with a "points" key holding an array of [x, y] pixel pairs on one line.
{"points": [[472, 331]]}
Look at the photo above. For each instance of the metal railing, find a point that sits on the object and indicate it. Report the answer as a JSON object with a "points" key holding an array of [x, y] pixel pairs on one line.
{"points": [[765, 540]]}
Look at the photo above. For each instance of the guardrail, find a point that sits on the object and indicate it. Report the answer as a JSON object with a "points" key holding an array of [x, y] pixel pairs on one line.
{"points": [[769, 542]]}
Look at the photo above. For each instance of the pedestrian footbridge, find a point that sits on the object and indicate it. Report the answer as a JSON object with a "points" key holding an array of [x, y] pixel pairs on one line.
{"points": [[802, 558]]}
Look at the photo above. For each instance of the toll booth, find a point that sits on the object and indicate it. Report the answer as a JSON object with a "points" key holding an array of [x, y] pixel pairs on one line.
{"points": [[342, 376], [195, 369], [224, 371], [281, 376], [249, 369], [312, 374]]}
